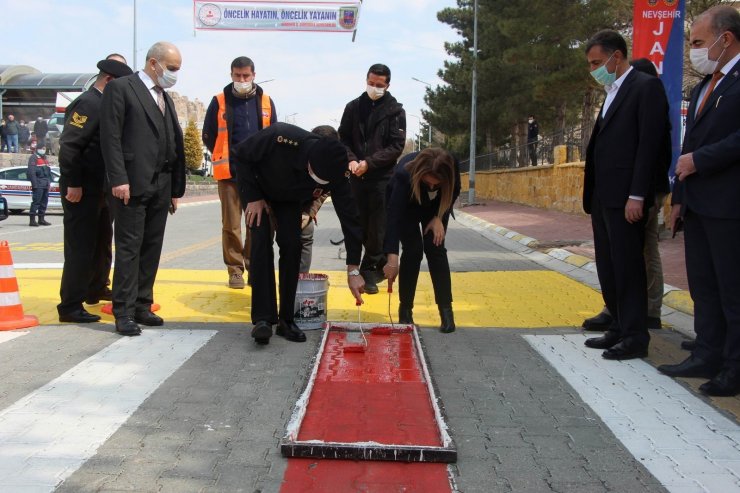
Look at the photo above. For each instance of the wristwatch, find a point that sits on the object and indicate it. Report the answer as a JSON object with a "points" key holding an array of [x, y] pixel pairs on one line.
{"points": [[353, 272]]}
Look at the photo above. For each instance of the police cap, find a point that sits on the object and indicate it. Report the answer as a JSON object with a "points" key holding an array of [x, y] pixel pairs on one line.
{"points": [[114, 68]]}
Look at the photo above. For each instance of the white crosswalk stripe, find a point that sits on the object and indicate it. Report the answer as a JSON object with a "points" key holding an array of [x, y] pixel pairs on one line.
{"points": [[685, 443], [46, 435], [9, 335]]}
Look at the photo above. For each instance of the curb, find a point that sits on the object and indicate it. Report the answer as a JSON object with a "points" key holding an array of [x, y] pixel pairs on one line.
{"points": [[673, 297]]}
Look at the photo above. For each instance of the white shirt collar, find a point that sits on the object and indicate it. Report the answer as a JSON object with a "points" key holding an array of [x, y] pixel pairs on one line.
{"points": [[613, 88], [148, 82], [729, 65]]}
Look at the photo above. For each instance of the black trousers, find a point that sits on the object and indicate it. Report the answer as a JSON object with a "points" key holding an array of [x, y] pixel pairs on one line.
{"points": [[413, 246], [713, 268], [88, 233], [620, 265], [139, 234], [286, 217], [532, 150], [370, 199], [39, 201]]}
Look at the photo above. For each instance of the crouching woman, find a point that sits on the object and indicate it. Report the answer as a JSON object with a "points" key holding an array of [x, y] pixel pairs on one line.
{"points": [[419, 201]]}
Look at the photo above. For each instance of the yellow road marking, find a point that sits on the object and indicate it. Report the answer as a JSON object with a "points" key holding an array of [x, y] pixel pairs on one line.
{"points": [[166, 257], [520, 299]]}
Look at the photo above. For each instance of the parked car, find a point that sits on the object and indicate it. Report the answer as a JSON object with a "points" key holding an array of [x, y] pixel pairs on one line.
{"points": [[16, 189], [56, 125]]}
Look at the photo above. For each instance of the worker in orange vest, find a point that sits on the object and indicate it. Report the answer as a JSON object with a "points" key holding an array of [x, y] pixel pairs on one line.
{"points": [[241, 110]]}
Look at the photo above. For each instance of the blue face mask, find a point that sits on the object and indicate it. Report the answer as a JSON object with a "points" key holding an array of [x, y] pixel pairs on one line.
{"points": [[602, 75]]}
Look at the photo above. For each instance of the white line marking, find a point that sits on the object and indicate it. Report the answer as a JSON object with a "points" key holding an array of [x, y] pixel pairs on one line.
{"points": [[684, 442], [40, 266], [9, 335], [48, 434]]}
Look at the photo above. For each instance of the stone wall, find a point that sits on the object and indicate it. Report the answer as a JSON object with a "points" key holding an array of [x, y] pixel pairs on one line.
{"points": [[557, 187], [188, 110]]}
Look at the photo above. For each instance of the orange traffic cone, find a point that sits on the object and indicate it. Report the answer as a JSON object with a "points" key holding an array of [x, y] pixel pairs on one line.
{"points": [[11, 309]]}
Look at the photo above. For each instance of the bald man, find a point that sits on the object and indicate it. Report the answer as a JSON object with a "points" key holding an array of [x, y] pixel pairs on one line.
{"points": [[142, 146]]}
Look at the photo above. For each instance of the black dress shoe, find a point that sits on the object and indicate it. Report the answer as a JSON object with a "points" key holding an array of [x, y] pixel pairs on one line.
{"points": [[290, 331], [448, 319], [261, 332], [624, 351], [691, 367], [405, 315], [127, 327], [80, 316], [725, 384], [94, 299], [606, 341], [654, 323], [148, 318], [688, 345], [600, 322]]}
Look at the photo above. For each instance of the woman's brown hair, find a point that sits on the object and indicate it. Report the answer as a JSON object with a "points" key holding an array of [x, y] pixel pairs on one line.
{"points": [[439, 164]]}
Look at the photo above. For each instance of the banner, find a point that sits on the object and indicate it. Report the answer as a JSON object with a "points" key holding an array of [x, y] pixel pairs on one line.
{"points": [[277, 16], [658, 35]]}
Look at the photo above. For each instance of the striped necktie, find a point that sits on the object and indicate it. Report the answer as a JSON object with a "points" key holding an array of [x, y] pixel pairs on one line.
{"points": [[160, 98]]}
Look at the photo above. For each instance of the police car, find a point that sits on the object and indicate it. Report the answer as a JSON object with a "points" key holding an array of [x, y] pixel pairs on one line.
{"points": [[16, 189]]}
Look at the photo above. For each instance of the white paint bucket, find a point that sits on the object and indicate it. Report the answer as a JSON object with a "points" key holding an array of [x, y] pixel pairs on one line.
{"points": [[310, 308]]}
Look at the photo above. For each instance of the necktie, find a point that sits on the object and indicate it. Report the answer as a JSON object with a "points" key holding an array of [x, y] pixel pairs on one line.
{"points": [[715, 78], [160, 98]]}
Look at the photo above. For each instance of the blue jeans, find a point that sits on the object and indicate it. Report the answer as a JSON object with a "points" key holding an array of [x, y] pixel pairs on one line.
{"points": [[12, 142]]}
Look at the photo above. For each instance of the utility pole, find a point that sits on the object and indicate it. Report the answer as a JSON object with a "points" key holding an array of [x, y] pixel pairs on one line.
{"points": [[474, 90]]}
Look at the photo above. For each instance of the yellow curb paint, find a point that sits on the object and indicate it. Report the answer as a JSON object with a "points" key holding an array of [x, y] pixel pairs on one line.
{"points": [[680, 300], [578, 260], [518, 299]]}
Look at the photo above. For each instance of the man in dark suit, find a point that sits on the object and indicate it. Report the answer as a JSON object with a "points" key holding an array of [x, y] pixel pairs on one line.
{"points": [[279, 169], [706, 196], [88, 230], [619, 188], [142, 146]]}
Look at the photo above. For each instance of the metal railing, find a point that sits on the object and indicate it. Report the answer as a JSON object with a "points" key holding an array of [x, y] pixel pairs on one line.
{"points": [[543, 152]]}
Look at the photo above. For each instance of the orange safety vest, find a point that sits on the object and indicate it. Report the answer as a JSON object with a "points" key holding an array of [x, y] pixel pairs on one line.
{"points": [[220, 157]]}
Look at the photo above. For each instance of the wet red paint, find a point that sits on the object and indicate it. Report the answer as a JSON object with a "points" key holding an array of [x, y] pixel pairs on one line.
{"points": [[379, 395]]}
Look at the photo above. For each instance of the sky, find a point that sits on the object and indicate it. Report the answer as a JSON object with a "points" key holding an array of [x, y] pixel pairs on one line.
{"points": [[312, 76]]}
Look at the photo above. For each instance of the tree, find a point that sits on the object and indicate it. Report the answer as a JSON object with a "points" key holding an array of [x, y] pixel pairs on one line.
{"points": [[530, 61], [193, 147]]}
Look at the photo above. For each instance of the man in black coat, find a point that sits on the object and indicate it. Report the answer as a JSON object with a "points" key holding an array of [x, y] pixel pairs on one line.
{"points": [[279, 169], [144, 157], [373, 129], [619, 188], [88, 230], [706, 196]]}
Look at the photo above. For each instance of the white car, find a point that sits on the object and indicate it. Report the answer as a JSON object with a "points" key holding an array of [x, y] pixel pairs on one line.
{"points": [[16, 189]]}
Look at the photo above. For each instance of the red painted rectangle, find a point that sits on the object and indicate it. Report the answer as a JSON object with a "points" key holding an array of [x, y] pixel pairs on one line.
{"points": [[379, 395]]}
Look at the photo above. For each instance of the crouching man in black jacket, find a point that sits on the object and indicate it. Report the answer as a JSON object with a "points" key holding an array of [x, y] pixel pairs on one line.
{"points": [[278, 170]]}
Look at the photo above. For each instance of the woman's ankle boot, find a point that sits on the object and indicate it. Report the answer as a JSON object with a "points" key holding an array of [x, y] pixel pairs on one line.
{"points": [[405, 314], [448, 319]]}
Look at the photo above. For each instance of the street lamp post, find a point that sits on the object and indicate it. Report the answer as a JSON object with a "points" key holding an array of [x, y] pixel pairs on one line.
{"points": [[418, 119], [430, 124], [135, 66], [474, 89]]}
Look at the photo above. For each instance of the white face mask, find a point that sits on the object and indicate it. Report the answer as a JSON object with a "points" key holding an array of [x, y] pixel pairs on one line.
{"points": [[316, 178], [243, 87], [375, 93], [530, 120], [167, 79], [41, 152], [700, 59]]}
